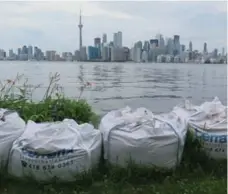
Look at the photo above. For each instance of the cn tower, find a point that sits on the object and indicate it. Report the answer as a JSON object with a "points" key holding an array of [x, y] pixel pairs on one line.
{"points": [[80, 30]]}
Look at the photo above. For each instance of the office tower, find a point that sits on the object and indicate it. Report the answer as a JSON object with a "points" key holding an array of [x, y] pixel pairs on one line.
{"points": [[223, 51], [153, 43], [170, 46], [205, 47], [117, 39], [104, 38], [97, 42], [190, 46], [18, 51], [30, 52], [138, 45], [11, 53], [24, 50], [215, 53], [161, 41], [146, 46], [176, 42]]}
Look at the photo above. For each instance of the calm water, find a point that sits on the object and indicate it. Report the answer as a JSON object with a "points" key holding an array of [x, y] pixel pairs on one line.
{"points": [[155, 86]]}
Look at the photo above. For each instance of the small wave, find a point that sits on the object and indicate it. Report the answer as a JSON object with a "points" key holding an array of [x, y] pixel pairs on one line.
{"points": [[135, 97]]}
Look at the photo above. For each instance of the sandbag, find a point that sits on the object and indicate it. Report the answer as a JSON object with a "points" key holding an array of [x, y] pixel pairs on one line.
{"points": [[60, 150], [11, 127], [143, 138], [208, 123]]}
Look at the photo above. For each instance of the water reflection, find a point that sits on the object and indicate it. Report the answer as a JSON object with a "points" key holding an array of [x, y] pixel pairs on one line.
{"points": [[156, 86]]}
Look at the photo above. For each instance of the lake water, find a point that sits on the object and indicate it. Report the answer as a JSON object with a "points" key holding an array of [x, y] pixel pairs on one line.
{"points": [[158, 87]]}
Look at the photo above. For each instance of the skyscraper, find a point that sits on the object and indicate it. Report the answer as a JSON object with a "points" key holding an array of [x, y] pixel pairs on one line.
{"points": [[104, 38], [223, 51], [161, 41], [170, 46], [190, 46], [176, 42], [30, 52], [146, 46], [117, 39], [97, 42], [80, 30], [205, 47]]}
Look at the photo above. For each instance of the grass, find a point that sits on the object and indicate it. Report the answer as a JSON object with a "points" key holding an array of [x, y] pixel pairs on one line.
{"points": [[197, 174]]}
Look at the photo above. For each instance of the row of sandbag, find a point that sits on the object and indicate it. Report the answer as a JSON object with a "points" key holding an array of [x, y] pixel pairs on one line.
{"points": [[64, 149]]}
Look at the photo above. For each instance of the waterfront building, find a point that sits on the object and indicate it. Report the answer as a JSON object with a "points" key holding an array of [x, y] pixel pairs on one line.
{"points": [[145, 56], [161, 41], [64, 56], [69, 56], [161, 59], [223, 52], [177, 59], [83, 54], [131, 54], [105, 53], [77, 55], [50, 55], [30, 53], [18, 51], [139, 45], [104, 38], [176, 42], [11, 53], [24, 50], [169, 47], [146, 46], [190, 46], [2, 54], [215, 53], [205, 48], [153, 43], [117, 54], [117, 39], [97, 42], [169, 59], [138, 52], [93, 53], [126, 53]]}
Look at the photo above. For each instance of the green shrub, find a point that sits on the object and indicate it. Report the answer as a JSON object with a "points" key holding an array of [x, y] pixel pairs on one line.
{"points": [[52, 110]]}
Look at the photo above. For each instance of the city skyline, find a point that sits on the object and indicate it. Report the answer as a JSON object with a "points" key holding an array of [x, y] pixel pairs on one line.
{"points": [[30, 34]]}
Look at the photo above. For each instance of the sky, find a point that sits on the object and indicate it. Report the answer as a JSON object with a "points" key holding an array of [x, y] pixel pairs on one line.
{"points": [[53, 25]]}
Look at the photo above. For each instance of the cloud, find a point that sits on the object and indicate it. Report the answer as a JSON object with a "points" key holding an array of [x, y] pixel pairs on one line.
{"points": [[53, 25]]}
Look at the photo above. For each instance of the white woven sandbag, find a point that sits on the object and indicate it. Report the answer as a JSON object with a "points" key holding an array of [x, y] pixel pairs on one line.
{"points": [[208, 123], [11, 127], [140, 137], [59, 150]]}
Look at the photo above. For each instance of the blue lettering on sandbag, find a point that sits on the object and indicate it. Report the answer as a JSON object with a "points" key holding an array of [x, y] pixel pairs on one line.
{"points": [[33, 154], [207, 137]]}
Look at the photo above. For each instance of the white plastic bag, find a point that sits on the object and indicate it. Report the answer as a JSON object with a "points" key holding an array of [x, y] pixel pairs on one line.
{"points": [[142, 138], [208, 123], [59, 150], [11, 127]]}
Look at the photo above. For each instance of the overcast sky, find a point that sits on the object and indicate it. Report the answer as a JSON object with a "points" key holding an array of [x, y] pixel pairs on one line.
{"points": [[53, 24]]}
